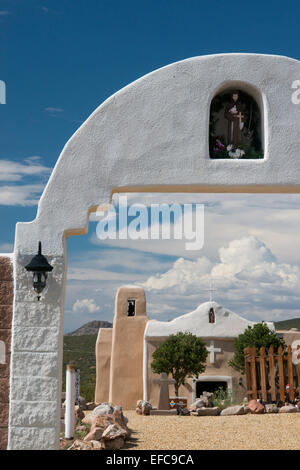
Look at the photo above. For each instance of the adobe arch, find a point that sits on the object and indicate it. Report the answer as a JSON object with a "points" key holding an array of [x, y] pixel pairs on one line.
{"points": [[149, 136]]}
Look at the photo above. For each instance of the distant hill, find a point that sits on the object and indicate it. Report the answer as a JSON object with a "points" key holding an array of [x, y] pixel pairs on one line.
{"points": [[90, 328], [287, 324], [80, 351]]}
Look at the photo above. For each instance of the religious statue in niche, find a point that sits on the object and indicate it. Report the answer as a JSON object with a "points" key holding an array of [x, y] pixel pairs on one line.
{"points": [[235, 126], [234, 114], [211, 315]]}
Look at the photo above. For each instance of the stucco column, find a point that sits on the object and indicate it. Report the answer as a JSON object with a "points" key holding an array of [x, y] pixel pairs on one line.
{"points": [[37, 351]]}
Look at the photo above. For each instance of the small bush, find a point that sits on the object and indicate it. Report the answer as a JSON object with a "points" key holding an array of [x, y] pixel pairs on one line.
{"points": [[257, 335], [222, 398]]}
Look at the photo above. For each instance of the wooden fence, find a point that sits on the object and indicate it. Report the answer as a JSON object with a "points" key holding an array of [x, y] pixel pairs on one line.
{"points": [[272, 377]]}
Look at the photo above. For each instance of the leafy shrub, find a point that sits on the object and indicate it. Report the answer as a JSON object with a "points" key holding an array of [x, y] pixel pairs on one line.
{"points": [[258, 335], [222, 398]]}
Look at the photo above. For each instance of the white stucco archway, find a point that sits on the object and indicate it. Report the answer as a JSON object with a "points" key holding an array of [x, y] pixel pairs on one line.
{"points": [[150, 136]]}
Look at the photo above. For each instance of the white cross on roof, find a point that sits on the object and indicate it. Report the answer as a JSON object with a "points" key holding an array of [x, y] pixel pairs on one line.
{"points": [[211, 290]]}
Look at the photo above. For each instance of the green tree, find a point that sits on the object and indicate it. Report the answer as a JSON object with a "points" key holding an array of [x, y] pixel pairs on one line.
{"points": [[182, 355], [258, 335]]}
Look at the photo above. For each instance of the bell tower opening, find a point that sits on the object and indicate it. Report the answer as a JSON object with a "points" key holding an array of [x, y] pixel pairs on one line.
{"points": [[131, 308]]}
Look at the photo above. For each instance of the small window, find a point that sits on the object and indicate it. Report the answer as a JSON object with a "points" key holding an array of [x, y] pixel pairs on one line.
{"points": [[211, 315], [131, 308]]}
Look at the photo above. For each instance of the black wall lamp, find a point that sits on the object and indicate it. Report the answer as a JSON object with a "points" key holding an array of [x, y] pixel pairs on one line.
{"points": [[39, 266]]}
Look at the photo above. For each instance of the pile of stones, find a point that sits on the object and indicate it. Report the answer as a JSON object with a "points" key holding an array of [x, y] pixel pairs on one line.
{"points": [[144, 407], [108, 429], [203, 407]]}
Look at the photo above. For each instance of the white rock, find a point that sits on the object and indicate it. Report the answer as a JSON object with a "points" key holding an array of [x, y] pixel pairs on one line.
{"points": [[103, 409], [198, 404], [288, 409], [215, 411], [233, 410]]}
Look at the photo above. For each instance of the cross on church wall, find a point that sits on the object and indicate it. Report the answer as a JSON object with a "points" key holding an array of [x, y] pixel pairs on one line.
{"points": [[212, 350]]}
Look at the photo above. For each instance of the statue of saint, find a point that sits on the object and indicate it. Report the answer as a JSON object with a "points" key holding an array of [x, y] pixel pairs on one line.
{"points": [[234, 113], [211, 315]]}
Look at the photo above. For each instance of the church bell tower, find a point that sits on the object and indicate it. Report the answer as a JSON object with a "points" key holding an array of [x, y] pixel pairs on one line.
{"points": [[126, 367]]}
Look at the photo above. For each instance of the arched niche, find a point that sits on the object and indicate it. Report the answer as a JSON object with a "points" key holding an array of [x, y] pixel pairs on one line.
{"points": [[236, 122], [211, 315]]}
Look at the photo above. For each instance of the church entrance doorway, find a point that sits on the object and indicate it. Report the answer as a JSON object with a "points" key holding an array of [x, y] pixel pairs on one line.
{"points": [[209, 387], [210, 383]]}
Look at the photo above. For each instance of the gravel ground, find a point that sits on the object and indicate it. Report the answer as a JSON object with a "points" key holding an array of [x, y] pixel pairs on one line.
{"points": [[254, 432]]}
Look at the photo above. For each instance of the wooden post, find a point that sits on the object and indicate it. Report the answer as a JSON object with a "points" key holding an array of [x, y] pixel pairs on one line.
{"points": [[281, 373], [70, 402], [247, 371], [263, 384], [290, 374], [253, 372], [272, 373]]}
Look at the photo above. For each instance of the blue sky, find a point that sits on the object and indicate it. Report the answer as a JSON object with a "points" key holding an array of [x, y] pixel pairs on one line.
{"points": [[60, 60]]}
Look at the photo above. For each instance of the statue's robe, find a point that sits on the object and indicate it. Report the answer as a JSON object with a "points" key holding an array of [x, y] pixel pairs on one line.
{"points": [[234, 133]]}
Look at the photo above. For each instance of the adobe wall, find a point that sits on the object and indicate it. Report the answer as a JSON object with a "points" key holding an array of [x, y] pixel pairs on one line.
{"points": [[103, 354], [6, 302], [126, 369], [289, 336], [219, 368]]}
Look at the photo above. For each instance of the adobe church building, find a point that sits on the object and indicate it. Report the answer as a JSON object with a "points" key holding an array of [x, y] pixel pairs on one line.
{"points": [[124, 352]]}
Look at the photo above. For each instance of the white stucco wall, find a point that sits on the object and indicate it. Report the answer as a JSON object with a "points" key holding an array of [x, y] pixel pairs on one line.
{"points": [[227, 325], [151, 135]]}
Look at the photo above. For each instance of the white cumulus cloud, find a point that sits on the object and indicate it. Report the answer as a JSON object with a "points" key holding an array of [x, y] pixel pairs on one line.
{"points": [[247, 270], [85, 305], [14, 171], [251, 260], [26, 193], [23, 195], [181, 276]]}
